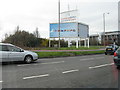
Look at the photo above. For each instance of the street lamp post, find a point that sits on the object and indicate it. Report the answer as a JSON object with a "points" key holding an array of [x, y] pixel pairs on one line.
{"points": [[104, 27], [59, 21]]}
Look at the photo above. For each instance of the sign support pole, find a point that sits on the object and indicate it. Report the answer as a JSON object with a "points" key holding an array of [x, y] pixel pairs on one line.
{"points": [[77, 43], [68, 42], [88, 43], [59, 21], [80, 42], [85, 43]]}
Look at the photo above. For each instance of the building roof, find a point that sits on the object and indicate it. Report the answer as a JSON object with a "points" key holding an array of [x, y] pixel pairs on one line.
{"points": [[111, 33]]}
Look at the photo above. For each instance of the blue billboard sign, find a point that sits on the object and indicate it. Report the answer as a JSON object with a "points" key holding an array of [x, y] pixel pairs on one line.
{"points": [[66, 30]]}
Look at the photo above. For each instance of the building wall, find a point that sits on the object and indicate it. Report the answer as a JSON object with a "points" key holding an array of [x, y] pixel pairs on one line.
{"points": [[94, 40], [110, 38]]}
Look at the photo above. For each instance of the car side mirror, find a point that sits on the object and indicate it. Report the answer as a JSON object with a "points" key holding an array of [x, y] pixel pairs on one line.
{"points": [[21, 50]]}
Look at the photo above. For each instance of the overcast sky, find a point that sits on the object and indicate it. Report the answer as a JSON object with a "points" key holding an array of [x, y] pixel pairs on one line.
{"points": [[29, 14]]}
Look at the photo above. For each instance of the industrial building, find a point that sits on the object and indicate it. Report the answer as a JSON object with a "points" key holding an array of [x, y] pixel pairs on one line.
{"points": [[94, 39], [109, 37]]}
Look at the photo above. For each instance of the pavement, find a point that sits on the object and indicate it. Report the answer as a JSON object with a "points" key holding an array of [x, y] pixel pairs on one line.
{"points": [[89, 71]]}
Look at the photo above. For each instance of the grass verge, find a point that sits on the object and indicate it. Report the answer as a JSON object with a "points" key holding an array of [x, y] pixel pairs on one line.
{"points": [[69, 48], [64, 54]]}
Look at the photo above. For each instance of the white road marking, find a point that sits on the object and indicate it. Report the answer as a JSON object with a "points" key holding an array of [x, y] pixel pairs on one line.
{"points": [[87, 59], [1, 81], [53, 62], [99, 57], [70, 71], [45, 75], [44, 59], [23, 65], [101, 66], [35, 64]]}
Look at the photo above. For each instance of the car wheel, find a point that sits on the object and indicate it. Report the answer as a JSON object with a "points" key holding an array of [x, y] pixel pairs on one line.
{"points": [[28, 59], [118, 67], [105, 53]]}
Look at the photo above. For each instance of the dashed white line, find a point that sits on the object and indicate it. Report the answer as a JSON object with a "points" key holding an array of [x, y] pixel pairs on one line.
{"points": [[70, 71], [100, 58], [30, 77], [87, 59], [44, 59], [54, 62], [101, 66], [23, 65], [1, 81], [35, 64]]}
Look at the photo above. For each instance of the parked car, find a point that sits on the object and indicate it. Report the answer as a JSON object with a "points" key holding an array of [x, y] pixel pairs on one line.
{"points": [[9, 52], [111, 49], [117, 58]]}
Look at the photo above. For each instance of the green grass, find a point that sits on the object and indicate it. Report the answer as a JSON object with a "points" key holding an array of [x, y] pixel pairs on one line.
{"points": [[69, 48], [63, 54]]}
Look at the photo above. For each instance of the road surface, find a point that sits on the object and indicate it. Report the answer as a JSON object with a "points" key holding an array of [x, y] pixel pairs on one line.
{"points": [[89, 71]]}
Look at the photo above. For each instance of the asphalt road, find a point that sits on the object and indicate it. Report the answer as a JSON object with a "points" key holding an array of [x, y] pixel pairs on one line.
{"points": [[90, 71]]}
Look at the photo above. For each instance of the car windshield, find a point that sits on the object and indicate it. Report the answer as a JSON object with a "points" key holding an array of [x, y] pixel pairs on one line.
{"points": [[111, 45], [119, 48]]}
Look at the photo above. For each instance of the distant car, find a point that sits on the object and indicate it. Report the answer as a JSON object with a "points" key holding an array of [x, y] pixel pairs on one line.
{"points": [[117, 58], [9, 52], [111, 49]]}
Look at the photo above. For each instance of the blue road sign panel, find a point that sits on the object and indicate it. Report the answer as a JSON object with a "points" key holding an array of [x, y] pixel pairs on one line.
{"points": [[66, 30]]}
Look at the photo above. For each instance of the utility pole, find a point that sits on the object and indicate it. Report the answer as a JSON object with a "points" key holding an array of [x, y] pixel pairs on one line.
{"points": [[104, 27], [59, 21], [18, 28], [118, 23]]}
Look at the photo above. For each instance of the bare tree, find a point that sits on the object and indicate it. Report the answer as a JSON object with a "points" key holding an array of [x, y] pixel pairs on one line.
{"points": [[6, 35]]}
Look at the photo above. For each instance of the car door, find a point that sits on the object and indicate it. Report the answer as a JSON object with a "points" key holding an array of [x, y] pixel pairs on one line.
{"points": [[4, 53], [118, 53], [15, 53]]}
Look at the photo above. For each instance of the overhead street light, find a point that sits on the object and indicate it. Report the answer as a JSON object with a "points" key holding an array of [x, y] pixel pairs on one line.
{"points": [[104, 27]]}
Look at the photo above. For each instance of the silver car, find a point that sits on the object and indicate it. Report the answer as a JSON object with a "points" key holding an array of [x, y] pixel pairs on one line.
{"points": [[9, 52]]}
